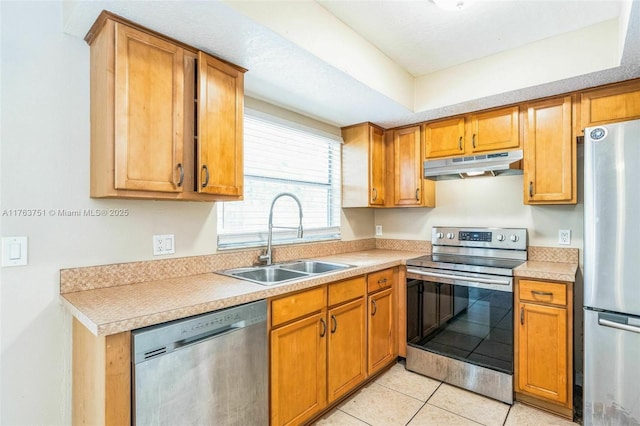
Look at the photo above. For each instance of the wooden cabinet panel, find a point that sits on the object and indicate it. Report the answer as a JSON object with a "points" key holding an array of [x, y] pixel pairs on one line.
{"points": [[346, 348], [543, 352], [543, 292], [288, 308], [549, 153], [495, 130], [220, 115], [343, 291], [363, 166], [379, 280], [149, 92], [444, 138], [407, 168], [543, 342], [380, 330], [143, 114], [610, 104], [298, 370]]}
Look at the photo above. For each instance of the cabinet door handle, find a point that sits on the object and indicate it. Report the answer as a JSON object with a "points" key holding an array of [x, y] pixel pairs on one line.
{"points": [[375, 194], [324, 327], [541, 293], [522, 316], [206, 176], [460, 143], [531, 189], [181, 180], [374, 306], [417, 194], [473, 141], [334, 324]]}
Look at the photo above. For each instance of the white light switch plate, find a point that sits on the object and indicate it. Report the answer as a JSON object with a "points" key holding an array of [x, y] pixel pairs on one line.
{"points": [[14, 251]]}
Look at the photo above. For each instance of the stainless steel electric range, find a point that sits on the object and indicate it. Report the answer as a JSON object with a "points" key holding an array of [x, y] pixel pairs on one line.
{"points": [[460, 308]]}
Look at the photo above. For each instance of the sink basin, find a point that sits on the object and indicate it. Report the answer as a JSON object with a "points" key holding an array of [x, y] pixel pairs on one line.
{"points": [[267, 275], [279, 273], [314, 266]]}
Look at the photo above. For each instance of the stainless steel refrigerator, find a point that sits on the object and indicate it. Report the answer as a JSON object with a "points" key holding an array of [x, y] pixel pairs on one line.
{"points": [[612, 274]]}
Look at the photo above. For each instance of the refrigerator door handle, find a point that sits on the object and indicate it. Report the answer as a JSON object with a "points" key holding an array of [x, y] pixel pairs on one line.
{"points": [[613, 324]]}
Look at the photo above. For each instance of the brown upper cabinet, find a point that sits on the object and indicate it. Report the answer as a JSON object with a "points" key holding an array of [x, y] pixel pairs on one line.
{"points": [[410, 189], [384, 168], [550, 152], [363, 166], [143, 117], [479, 132], [618, 102]]}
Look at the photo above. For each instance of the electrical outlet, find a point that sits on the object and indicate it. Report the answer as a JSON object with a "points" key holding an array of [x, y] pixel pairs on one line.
{"points": [[378, 230], [163, 244], [564, 236]]}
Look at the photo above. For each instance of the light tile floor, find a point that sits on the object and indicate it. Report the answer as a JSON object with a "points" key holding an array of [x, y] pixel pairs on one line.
{"points": [[402, 398]]}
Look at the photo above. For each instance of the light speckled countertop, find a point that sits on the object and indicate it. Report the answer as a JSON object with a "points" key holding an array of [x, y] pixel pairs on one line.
{"points": [[111, 310]]}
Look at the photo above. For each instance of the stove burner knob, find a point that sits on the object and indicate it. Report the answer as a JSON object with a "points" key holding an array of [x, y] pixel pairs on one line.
{"points": [[514, 238], [450, 235], [439, 235], [500, 237]]}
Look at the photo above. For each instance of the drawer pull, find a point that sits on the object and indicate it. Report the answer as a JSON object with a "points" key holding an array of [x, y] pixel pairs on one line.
{"points": [[324, 327], [382, 281], [334, 322], [541, 293]]}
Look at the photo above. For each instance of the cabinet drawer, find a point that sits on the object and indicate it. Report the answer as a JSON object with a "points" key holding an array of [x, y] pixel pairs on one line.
{"points": [[543, 292], [379, 280], [298, 305], [346, 290]]}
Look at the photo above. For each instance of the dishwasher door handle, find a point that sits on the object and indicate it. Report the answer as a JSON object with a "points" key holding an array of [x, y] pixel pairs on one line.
{"points": [[208, 335]]}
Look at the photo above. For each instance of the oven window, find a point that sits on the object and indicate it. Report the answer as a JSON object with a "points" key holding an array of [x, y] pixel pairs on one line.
{"points": [[466, 323]]}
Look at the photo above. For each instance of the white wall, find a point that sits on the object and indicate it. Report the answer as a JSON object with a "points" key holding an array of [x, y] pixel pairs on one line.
{"points": [[485, 202]]}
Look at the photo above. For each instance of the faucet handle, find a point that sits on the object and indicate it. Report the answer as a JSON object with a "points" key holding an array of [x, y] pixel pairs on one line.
{"points": [[265, 258]]}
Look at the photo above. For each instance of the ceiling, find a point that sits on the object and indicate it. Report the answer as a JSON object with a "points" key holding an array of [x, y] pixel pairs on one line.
{"points": [[397, 62]]}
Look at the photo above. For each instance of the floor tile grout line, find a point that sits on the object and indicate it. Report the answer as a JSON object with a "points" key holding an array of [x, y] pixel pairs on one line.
{"points": [[402, 393], [357, 418]]}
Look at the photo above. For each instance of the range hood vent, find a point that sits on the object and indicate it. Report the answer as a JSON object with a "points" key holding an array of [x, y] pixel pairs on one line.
{"points": [[460, 167]]}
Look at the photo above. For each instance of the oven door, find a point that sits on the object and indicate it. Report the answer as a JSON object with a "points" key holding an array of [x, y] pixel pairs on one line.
{"points": [[464, 317]]}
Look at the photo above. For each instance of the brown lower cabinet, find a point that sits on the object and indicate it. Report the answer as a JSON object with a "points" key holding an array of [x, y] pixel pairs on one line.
{"points": [[326, 341], [543, 342]]}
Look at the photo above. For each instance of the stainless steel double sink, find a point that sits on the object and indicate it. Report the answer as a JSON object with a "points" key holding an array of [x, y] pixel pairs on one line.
{"points": [[283, 272]]}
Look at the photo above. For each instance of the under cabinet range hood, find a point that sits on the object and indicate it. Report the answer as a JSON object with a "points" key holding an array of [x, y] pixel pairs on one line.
{"points": [[475, 165]]}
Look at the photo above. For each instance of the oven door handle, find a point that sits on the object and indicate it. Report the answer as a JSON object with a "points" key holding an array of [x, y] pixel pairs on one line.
{"points": [[457, 277]]}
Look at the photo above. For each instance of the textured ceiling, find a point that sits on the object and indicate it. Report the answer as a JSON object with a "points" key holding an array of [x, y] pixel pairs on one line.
{"points": [[423, 38], [344, 62]]}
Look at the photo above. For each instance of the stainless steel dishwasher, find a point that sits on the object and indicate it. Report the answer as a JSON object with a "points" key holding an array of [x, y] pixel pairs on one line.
{"points": [[211, 369]]}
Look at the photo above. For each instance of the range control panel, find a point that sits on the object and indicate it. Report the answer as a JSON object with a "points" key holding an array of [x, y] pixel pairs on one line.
{"points": [[502, 238]]}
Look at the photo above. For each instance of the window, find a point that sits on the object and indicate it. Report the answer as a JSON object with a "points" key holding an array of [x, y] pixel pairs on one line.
{"points": [[280, 158]]}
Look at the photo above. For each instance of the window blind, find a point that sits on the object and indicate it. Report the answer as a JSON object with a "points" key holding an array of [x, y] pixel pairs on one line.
{"points": [[280, 158]]}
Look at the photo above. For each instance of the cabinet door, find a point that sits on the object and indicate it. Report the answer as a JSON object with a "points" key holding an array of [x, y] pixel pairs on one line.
{"points": [[148, 114], [550, 153], [444, 138], [619, 102], [380, 330], [298, 370], [219, 138], [494, 130], [377, 167], [542, 352], [347, 348], [407, 167]]}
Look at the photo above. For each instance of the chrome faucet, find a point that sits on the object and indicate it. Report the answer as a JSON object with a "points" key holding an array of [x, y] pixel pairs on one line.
{"points": [[266, 257]]}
